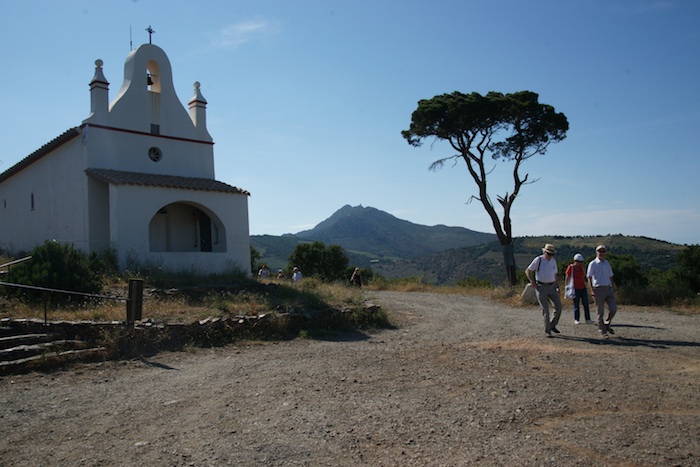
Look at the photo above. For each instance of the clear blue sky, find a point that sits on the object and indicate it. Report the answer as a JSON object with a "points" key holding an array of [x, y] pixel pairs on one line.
{"points": [[307, 100]]}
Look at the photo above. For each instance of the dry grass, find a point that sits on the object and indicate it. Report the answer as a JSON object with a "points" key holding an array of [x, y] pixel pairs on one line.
{"points": [[255, 300], [500, 293], [182, 308], [510, 296]]}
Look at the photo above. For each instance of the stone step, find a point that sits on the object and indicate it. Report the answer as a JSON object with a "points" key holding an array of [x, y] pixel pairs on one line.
{"points": [[22, 339], [13, 327], [23, 351], [51, 360]]}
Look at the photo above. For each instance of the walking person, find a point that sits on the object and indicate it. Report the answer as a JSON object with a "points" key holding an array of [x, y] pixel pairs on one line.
{"points": [[356, 278], [580, 290], [296, 275], [264, 272], [546, 287], [600, 278]]}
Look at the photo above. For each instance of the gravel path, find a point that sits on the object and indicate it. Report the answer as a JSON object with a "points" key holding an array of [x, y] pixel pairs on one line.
{"points": [[460, 381]]}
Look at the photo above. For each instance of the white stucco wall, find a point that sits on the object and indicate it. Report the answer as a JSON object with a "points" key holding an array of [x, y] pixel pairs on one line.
{"points": [[129, 228], [118, 150], [58, 186], [98, 215]]}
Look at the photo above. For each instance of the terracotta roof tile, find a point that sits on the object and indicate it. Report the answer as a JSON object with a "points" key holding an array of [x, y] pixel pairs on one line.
{"points": [[118, 177]]}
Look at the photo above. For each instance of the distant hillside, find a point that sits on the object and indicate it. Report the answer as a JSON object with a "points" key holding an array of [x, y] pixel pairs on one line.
{"points": [[486, 261], [366, 229], [274, 250], [443, 255], [368, 234]]}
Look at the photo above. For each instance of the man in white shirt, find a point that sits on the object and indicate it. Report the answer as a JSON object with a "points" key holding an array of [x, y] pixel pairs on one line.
{"points": [[546, 287], [600, 278]]}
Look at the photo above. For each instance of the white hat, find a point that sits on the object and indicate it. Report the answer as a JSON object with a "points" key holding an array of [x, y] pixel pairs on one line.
{"points": [[578, 257]]}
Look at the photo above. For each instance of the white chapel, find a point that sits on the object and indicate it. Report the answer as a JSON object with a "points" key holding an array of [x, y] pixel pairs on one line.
{"points": [[136, 176]]}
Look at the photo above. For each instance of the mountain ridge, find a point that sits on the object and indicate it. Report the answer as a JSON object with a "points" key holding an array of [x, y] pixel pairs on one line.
{"points": [[367, 229], [394, 247]]}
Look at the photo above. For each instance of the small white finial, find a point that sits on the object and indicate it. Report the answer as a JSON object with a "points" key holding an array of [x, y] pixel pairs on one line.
{"points": [[99, 76]]}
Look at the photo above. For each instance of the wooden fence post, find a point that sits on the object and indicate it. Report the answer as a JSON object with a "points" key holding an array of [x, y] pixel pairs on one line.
{"points": [[134, 303]]}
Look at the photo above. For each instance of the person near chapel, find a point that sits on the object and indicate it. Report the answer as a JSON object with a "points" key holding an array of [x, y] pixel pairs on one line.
{"points": [[264, 272], [542, 274], [575, 269], [600, 278], [356, 278], [296, 275]]}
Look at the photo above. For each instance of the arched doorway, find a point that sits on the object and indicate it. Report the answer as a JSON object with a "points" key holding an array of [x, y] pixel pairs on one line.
{"points": [[186, 228]]}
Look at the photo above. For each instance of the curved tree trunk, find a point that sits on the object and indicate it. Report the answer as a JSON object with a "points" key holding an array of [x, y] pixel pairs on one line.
{"points": [[503, 232], [509, 261]]}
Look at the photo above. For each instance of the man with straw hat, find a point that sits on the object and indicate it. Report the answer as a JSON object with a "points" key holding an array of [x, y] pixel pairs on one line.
{"points": [[546, 287]]}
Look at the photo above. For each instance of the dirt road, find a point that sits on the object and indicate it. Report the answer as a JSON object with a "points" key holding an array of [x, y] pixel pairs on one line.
{"points": [[460, 381]]}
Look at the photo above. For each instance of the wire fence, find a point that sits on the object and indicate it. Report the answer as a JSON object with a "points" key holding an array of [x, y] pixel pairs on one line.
{"points": [[134, 301], [68, 292]]}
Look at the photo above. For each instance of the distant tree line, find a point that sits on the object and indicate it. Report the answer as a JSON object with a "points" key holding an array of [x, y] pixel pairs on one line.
{"points": [[325, 263], [637, 286], [658, 287], [60, 266]]}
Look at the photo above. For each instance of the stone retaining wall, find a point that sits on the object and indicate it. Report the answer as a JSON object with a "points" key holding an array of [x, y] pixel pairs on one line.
{"points": [[147, 337]]}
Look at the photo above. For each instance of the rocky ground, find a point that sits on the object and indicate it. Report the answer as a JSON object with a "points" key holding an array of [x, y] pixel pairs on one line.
{"points": [[459, 381]]}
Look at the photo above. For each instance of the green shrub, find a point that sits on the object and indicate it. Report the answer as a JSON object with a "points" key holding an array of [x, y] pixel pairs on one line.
{"points": [[687, 271], [104, 263], [314, 259], [55, 266], [627, 272], [679, 285]]}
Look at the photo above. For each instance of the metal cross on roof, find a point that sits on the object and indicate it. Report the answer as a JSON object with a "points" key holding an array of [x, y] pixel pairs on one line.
{"points": [[150, 31]]}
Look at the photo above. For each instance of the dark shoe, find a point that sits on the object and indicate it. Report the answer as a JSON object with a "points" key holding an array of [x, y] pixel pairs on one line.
{"points": [[549, 334], [610, 329], [555, 330], [603, 333]]}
